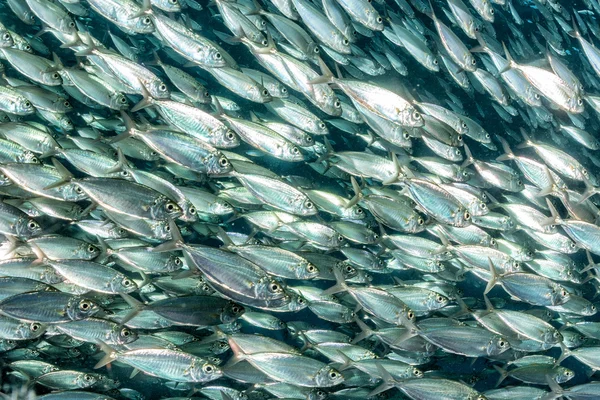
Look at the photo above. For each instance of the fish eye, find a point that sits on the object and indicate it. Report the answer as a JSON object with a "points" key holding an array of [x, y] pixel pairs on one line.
{"points": [[536, 96], [379, 20], [192, 210], [519, 182], [473, 62], [435, 62], [309, 204], [349, 269], [91, 249], [311, 268], [67, 104], [27, 104], [71, 24], [410, 315], [177, 261], [170, 206], [322, 125], [317, 50], [162, 87], [467, 216], [218, 56], [406, 135], [55, 75], [345, 42], [568, 373], [483, 206], [78, 190], [564, 293], [265, 92], [35, 327], [236, 309], [173, 1], [492, 11], [153, 153], [309, 139], [416, 115], [122, 100], [337, 104], [27, 47], [126, 282], [6, 36], [275, 288], [146, 21], [283, 90], [579, 102], [124, 173], [584, 171], [333, 374], [376, 236], [359, 211], [32, 225], [464, 125], [125, 332], [502, 343], [85, 305], [224, 162], [420, 221], [573, 245], [168, 228], [264, 42], [440, 299], [208, 369], [87, 377], [417, 372], [295, 150], [476, 29], [459, 138]]}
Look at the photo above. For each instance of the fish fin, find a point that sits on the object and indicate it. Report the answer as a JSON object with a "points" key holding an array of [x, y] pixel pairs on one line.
{"points": [[508, 154], [554, 218], [145, 102], [224, 237], [398, 171], [173, 244], [134, 372], [146, 8], [238, 354], [347, 361], [526, 140], [469, 160], [591, 264], [340, 285], [66, 176], [108, 358], [548, 190], [121, 163], [105, 251], [503, 374], [556, 390], [136, 307], [357, 193], [39, 254], [217, 104], [365, 331], [590, 190], [388, 381], [493, 279], [509, 58], [565, 353], [574, 33], [326, 74]]}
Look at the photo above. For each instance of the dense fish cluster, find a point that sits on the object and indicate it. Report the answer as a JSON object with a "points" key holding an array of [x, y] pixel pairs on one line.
{"points": [[299, 199]]}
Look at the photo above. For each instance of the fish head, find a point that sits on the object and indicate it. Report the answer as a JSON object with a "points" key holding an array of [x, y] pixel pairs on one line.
{"points": [[497, 345], [297, 302], [551, 336], [204, 372], [23, 106], [462, 218], [210, 56], [469, 61], [355, 212], [559, 295], [118, 101], [122, 285], [79, 308], [563, 375], [224, 138], [268, 288], [84, 380], [143, 24], [124, 335], [291, 152], [306, 270], [432, 63], [189, 213], [6, 39], [575, 104], [158, 89], [411, 117], [164, 208], [232, 312], [27, 227], [168, 5], [328, 376], [51, 78], [463, 174]]}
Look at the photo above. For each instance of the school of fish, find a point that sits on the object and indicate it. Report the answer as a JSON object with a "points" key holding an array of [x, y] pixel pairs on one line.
{"points": [[299, 199]]}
